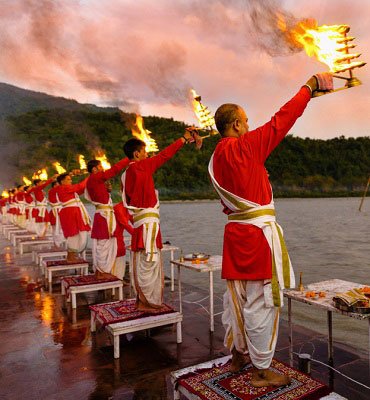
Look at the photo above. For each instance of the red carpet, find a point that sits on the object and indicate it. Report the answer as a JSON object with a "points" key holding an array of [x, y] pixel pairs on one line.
{"points": [[64, 262], [218, 383], [80, 280], [125, 310]]}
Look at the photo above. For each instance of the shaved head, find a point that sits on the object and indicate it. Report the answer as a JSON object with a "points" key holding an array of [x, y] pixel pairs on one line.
{"points": [[226, 115]]}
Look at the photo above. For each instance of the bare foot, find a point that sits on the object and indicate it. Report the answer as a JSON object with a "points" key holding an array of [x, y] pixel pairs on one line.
{"points": [[102, 275], [266, 377], [238, 361]]}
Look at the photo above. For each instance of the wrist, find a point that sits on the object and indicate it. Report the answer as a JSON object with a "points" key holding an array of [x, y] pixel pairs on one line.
{"points": [[185, 139]]}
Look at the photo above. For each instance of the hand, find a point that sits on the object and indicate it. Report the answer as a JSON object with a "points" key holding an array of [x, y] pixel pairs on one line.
{"points": [[321, 82], [188, 135]]}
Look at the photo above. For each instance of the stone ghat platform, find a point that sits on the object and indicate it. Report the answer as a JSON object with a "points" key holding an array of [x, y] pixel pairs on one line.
{"points": [[48, 352]]}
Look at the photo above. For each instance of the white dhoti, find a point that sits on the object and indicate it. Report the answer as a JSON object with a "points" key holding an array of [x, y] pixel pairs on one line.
{"points": [[40, 228], [104, 254], [119, 267], [251, 327], [148, 278], [77, 243]]}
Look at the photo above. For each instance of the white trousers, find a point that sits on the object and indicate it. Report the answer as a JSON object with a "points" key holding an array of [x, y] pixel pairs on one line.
{"points": [[58, 236], [104, 254], [77, 243], [251, 327], [148, 278], [40, 228], [119, 267]]}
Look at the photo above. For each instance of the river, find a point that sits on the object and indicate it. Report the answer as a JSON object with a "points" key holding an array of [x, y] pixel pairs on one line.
{"points": [[326, 239]]}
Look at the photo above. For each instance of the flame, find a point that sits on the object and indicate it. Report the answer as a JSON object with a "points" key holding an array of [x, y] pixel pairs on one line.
{"points": [[104, 162], [59, 168], [27, 181], [81, 160], [5, 194], [143, 134], [40, 174], [329, 44], [204, 116]]}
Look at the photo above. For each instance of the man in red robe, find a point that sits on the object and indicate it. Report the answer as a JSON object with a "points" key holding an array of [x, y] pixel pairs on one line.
{"points": [[256, 263], [21, 206], [74, 219], [54, 219], [123, 223], [104, 225], [141, 199], [39, 212]]}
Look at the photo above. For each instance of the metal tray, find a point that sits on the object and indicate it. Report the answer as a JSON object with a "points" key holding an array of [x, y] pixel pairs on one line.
{"points": [[196, 256]]}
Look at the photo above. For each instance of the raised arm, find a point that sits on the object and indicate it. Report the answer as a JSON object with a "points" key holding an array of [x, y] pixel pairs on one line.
{"points": [[112, 172], [262, 141]]}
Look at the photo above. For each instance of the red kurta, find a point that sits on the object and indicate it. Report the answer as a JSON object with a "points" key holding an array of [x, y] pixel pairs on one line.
{"points": [[123, 219], [70, 217], [39, 196], [140, 190], [19, 198], [52, 197], [238, 165], [98, 193]]}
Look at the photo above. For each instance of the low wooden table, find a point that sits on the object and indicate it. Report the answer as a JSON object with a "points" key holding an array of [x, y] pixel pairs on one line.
{"points": [[142, 323], [213, 264], [55, 266], [11, 233], [40, 256], [70, 290], [34, 242], [330, 287], [9, 227]]}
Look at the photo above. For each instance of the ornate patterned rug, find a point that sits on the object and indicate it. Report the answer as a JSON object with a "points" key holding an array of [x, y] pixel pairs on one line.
{"points": [[81, 280], [64, 262], [217, 383], [125, 310]]}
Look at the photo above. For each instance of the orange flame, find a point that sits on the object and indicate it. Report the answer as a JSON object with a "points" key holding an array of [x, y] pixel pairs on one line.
{"points": [[59, 168], [143, 134], [26, 181], [40, 174], [81, 160], [329, 44], [104, 162], [202, 113], [5, 194]]}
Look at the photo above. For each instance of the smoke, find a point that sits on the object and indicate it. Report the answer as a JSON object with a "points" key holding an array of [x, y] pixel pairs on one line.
{"points": [[125, 53], [271, 26]]}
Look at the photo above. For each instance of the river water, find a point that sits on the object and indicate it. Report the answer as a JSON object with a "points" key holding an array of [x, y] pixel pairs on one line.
{"points": [[326, 239]]}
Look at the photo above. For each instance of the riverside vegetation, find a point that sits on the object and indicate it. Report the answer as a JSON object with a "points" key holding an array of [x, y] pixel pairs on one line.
{"points": [[298, 167]]}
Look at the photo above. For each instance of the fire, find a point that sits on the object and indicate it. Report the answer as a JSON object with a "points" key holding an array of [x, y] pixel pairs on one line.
{"points": [[204, 116], [81, 160], [5, 194], [59, 168], [40, 174], [143, 134], [104, 162], [329, 44], [26, 181]]}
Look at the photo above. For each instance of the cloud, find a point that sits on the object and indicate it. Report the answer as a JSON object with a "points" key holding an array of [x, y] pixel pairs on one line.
{"points": [[144, 56]]}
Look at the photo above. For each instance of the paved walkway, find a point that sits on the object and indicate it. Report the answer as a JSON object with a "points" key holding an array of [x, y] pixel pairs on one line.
{"points": [[47, 353]]}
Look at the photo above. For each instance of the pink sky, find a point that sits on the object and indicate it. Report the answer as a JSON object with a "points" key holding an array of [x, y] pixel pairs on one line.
{"points": [[144, 56]]}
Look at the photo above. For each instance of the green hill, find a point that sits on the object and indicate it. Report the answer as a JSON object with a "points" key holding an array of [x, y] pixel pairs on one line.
{"points": [[52, 132], [14, 100]]}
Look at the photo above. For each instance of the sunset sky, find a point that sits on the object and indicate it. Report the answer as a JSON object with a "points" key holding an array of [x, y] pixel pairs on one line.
{"points": [[145, 55]]}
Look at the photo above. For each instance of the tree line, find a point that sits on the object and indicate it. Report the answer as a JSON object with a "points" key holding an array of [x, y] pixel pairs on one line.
{"points": [[297, 167]]}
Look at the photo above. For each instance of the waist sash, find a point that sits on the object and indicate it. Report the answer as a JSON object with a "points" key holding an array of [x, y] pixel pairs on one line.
{"points": [[76, 202], [106, 211], [149, 219], [263, 217]]}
